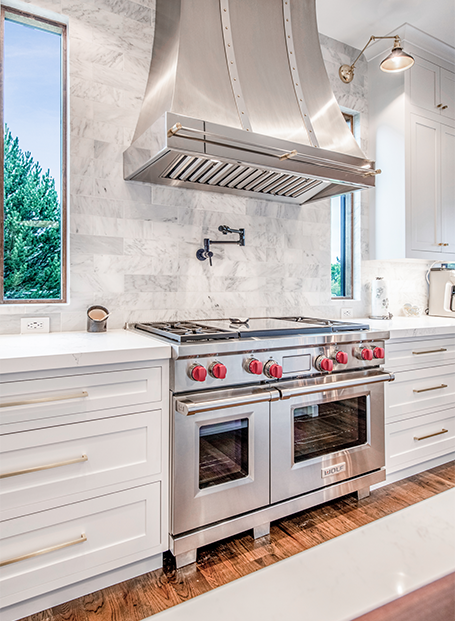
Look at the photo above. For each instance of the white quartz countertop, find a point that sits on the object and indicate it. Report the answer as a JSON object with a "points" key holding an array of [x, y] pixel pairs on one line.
{"points": [[58, 350], [409, 327], [343, 578]]}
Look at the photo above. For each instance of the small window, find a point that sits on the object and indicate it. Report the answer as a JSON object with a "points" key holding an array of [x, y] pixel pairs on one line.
{"points": [[33, 197], [342, 223]]}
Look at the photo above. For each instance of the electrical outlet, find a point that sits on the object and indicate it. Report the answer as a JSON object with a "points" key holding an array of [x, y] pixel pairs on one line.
{"points": [[32, 325], [346, 313]]}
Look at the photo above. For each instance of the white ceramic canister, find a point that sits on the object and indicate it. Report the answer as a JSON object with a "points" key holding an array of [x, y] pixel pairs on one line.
{"points": [[379, 299]]}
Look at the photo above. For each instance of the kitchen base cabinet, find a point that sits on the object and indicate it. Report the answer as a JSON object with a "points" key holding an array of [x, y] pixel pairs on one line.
{"points": [[52, 548], [418, 439], [419, 405], [84, 478]]}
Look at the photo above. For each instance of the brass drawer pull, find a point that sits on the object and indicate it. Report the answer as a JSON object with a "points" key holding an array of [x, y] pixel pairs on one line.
{"points": [[429, 351], [13, 404], [44, 551], [76, 460], [432, 388], [431, 435]]}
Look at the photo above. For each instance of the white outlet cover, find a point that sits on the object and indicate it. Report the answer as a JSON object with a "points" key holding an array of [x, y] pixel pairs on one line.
{"points": [[34, 325], [346, 313]]}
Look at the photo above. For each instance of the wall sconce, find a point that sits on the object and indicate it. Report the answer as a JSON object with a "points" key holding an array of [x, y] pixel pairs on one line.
{"points": [[396, 61]]}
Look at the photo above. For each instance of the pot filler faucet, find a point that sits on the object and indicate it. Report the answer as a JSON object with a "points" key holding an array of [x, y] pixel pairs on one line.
{"points": [[205, 252]]}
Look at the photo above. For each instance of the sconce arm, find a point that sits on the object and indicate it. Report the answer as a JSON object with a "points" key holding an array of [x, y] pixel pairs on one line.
{"points": [[374, 38]]}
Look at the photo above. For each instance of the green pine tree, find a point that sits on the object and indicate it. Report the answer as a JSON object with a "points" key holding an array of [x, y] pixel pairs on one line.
{"points": [[336, 278], [32, 235]]}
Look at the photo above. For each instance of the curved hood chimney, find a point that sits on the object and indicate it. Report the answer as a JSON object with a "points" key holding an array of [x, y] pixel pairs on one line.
{"points": [[238, 100]]}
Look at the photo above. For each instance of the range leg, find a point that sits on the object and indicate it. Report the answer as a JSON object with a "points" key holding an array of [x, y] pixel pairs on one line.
{"points": [[186, 558], [363, 493], [262, 530]]}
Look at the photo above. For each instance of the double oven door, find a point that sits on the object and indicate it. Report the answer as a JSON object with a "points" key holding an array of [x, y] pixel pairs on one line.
{"points": [[238, 450], [324, 434]]}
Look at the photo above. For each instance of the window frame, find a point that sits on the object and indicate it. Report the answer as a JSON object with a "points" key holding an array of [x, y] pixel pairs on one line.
{"points": [[64, 146], [349, 118]]}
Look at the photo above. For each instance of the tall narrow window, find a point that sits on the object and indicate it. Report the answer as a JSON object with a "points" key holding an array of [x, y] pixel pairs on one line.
{"points": [[342, 240], [33, 197]]}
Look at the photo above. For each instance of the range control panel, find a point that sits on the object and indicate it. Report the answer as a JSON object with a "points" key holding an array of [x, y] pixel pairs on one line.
{"points": [[222, 370]]}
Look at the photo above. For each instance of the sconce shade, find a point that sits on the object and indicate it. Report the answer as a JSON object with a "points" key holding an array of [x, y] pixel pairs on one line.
{"points": [[397, 61]]}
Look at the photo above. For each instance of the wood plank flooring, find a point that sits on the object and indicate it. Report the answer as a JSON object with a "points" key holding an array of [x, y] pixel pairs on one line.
{"points": [[230, 559]]}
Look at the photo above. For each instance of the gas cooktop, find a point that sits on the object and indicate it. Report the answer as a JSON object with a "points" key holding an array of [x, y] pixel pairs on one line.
{"points": [[234, 328]]}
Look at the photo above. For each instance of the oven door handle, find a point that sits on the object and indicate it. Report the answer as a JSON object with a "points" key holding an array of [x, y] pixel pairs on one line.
{"points": [[300, 391], [188, 407]]}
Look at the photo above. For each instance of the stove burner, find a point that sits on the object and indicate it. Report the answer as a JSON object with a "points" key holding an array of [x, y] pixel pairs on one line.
{"points": [[336, 326], [234, 328], [181, 331]]}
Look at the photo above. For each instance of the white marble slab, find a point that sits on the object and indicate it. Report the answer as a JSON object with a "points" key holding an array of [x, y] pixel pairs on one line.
{"points": [[343, 578], [410, 327], [58, 350]]}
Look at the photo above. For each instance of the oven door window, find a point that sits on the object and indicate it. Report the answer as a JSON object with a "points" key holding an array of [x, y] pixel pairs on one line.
{"points": [[325, 428], [223, 452]]}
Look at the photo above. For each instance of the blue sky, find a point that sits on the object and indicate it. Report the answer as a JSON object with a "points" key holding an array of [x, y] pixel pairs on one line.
{"points": [[32, 94]]}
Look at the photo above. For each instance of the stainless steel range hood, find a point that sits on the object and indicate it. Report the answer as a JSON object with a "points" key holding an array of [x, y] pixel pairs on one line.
{"points": [[238, 100]]}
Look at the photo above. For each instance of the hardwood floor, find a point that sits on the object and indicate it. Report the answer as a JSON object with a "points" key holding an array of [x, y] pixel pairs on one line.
{"points": [[230, 559]]}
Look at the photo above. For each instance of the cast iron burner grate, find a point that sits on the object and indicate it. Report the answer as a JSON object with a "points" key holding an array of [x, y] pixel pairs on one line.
{"points": [[336, 326], [182, 331]]}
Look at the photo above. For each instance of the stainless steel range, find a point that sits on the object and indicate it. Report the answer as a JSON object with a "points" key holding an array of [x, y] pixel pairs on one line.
{"points": [[270, 416]]}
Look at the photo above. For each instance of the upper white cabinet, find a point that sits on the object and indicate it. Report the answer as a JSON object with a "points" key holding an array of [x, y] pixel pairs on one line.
{"points": [[447, 93], [412, 139], [432, 88]]}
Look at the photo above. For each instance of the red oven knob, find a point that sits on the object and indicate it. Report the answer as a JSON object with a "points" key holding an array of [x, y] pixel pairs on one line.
{"points": [[197, 373], [366, 354], [324, 364], [218, 370], [341, 357], [254, 366], [273, 369], [378, 352]]}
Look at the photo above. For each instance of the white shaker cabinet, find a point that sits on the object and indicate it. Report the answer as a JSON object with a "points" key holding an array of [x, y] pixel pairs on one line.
{"points": [[432, 185], [432, 88], [84, 478], [420, 404], [412, 139]]}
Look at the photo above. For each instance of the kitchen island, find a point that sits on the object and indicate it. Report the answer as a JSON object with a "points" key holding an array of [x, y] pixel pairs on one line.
{"points": [[343, 578]]}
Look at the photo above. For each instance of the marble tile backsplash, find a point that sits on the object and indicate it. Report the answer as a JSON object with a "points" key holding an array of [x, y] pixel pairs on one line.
{"points": [[133, 247]]}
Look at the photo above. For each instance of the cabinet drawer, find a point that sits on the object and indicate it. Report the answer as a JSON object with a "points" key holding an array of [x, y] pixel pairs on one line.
{"points": [[77, 541], [420, 354], [78, 458], [423, 389], [418, 439], [62, 396]]}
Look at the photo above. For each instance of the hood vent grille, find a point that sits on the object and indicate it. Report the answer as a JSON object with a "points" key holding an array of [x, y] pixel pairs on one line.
{"points": [[238, 177]]}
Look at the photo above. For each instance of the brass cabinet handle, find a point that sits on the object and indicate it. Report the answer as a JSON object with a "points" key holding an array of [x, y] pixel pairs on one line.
{"points": [[44, 551], [431, 435], [442, 244], [429, 351], [13, 404], [432, 388], [444, 107], [439, 105], [76, 460]]}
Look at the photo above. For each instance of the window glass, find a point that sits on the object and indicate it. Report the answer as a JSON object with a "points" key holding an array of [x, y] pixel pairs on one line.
{"points": [[34, 159], [342, 240]]}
